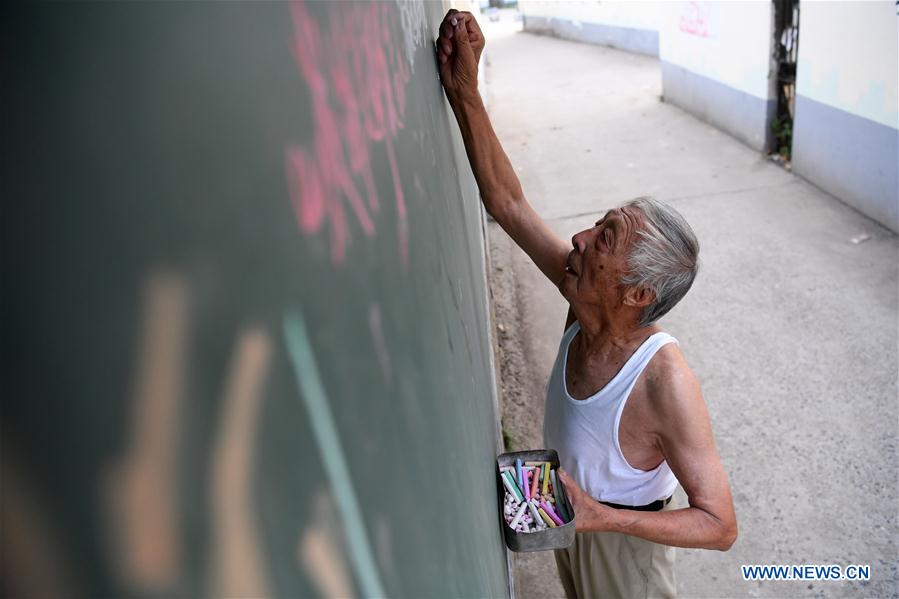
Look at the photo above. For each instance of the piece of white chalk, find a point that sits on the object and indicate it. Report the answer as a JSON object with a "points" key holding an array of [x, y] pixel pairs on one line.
{"points": [[518, 516]]}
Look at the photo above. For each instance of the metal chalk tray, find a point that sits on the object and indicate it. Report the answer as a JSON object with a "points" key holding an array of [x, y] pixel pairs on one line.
{"points": [[543, 540]]}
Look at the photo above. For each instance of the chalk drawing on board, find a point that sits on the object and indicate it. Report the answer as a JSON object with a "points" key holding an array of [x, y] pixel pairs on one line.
{"points": [[237, 561], [376, 326], [330, 449], [141, 489], [414, 25], [356, 75], [383, 534], [37, 562], [320, 552]]}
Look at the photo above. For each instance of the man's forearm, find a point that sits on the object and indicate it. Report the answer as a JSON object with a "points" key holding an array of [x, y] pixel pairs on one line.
{"points": [[497, 182], [689, 527]]}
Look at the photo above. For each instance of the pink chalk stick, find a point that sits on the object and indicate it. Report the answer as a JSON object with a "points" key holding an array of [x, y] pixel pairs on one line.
{"points": [[527, 486], [549, 512]]}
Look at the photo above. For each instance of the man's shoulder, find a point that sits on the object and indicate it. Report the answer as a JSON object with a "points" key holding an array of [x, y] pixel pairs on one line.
{"points": [[669, 376]]}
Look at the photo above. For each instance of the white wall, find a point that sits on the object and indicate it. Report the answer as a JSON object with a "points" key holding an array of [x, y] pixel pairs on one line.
{"points": [[849, 57], [615, 13], [846, 129], [729, 42]]}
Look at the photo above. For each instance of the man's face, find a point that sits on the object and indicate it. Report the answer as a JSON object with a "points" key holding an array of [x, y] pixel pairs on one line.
{"points": [[599, 259]]}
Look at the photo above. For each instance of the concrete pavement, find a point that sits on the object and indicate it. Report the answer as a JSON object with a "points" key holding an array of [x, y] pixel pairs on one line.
{"points": [[791, 325]]}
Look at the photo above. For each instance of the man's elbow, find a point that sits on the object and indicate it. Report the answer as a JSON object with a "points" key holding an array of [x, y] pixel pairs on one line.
{"points": [[726, 537], [498, 204]]}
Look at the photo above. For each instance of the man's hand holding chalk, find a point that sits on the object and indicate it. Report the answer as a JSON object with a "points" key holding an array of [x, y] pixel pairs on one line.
{"points": [[459, 48]]}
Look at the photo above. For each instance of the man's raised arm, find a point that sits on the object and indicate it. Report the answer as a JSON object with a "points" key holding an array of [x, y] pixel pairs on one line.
{"points": [[458, 49]]}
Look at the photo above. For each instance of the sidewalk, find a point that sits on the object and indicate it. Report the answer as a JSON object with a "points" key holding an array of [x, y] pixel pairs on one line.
{"points": [[791, 326]]}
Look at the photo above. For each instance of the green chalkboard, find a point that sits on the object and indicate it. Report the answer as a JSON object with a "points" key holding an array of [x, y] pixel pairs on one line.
{"points": [[244, 314]]}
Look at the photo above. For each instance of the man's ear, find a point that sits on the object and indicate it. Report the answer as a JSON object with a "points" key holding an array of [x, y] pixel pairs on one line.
{"points": [[639, 297]]}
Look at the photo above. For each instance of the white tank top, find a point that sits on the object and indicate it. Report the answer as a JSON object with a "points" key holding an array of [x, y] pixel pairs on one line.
{"points": [[585, 432]]}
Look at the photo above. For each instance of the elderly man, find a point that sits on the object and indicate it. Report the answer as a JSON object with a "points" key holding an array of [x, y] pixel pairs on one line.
{"points": [[623, 408]]}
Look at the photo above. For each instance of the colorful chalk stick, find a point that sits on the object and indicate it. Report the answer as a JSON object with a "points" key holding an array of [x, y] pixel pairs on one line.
{"points": [[509, 482], [527, 487], [546, 518], [560, 501], [551, 513], [533, 508]]}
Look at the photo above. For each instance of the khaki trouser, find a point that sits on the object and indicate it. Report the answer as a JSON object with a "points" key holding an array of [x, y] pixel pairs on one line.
{"points": [[610, 564]]}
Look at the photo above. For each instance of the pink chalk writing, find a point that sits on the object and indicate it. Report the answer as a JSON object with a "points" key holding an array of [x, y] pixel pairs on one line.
{"points": [[696, 18], [357, 78]]}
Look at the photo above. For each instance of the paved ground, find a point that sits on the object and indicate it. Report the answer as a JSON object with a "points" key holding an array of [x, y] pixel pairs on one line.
{"points": [[791, 327]]}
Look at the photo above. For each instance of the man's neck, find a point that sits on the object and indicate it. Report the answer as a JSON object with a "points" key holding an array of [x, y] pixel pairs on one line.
{"points": [[602, 334]]}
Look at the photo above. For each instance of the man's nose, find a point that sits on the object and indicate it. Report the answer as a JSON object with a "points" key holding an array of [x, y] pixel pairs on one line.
{"points": [[577, 242]]}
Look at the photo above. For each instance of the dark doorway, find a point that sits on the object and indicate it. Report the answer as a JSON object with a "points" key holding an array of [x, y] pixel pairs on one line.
{"points": [[786, 50]]}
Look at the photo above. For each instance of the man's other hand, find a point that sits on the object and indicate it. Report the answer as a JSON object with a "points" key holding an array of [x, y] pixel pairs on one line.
{"points": [[589, 514], [459, 49]]}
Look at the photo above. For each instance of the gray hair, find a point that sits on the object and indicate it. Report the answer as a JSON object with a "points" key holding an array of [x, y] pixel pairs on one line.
{"points": [[664, 257]]}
